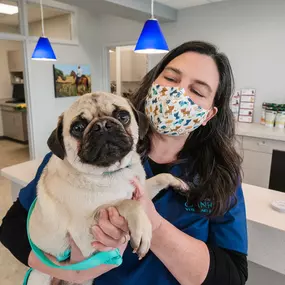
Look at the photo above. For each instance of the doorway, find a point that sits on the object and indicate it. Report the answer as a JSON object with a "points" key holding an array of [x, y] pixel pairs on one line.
{"points": [[126, 69], [14, 145]]}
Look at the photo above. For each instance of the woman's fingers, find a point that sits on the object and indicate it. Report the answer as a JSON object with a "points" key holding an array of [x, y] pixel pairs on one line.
{"points": [[101, 247], [117, 220], [110, 229], [107, 240], [139, 190]]}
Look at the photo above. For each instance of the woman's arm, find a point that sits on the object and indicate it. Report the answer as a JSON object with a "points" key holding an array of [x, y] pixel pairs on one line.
{"points": [[114, 223], [68, 275], [14, 226], [186, 258], [191, 261]]}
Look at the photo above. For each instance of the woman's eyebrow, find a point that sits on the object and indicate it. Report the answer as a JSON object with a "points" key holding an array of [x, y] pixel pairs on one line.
{"points": [[177, 71], [200, 82]]}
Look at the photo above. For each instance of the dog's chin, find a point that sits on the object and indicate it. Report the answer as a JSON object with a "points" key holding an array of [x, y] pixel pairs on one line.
{"points": [[105, 152]]}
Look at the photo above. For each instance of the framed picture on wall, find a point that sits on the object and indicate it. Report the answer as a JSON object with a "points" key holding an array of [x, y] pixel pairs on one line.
{"points": [[71, 80]]}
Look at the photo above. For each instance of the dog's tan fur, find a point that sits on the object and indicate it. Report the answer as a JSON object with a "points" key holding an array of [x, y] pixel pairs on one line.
{"points": [[70, 192]]}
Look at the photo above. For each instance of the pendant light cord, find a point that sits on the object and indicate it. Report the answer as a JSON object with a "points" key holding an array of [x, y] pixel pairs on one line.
{"points": [[42, 16], [152, 13]]}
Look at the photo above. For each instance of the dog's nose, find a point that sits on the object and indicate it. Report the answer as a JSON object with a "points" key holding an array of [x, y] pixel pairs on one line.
{"points": [[104, 125]]}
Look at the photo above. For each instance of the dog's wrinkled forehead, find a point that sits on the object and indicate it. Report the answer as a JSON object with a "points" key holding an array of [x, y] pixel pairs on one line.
{"points": [[96, 105]]}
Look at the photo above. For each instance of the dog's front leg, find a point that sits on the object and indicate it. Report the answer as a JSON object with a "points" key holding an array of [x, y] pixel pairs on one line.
{"points": [[80, 231], [161, 181], [139, 225]]}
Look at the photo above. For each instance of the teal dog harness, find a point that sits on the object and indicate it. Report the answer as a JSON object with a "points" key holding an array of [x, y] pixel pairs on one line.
{"points": [[109, 257]]}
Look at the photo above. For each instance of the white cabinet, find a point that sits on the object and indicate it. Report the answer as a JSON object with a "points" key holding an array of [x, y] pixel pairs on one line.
{"points": [[15, 61], [257, 156], [133, 66], [14, 124]]}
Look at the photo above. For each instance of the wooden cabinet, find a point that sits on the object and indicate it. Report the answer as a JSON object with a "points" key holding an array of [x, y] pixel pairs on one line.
{"points": [[257, 157], [14, 124], [15, 61]]}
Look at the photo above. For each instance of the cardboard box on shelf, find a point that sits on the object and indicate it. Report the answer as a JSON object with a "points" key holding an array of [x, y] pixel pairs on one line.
{"points": [[245, 119], [247, 99], [246, 105]]}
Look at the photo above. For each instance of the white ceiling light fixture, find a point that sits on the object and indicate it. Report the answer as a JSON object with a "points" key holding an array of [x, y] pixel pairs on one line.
{"points": [[8, 9]]}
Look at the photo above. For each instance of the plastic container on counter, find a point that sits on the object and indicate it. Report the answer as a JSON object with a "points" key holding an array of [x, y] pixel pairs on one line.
{"points": [[280, 119], [263, 112], [270, 115]]}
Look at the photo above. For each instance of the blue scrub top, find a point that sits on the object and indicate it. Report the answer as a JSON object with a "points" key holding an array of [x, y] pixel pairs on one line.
{"points": [[228, 231]]}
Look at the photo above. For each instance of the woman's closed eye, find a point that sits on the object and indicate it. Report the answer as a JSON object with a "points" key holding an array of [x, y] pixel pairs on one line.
{"points": [[196, 92], [170, 79]]}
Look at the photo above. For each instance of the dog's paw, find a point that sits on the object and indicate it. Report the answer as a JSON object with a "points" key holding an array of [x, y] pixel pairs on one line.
{"points": [[173, 181], [141, 234]]}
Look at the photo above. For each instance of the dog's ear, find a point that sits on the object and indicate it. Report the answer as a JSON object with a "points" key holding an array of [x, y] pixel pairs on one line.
{"points": [[55, 141], [142, 121]]}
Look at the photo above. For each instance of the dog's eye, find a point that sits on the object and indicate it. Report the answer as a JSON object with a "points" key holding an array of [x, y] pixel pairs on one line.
{"points": [[123, 117], [78, 128]]}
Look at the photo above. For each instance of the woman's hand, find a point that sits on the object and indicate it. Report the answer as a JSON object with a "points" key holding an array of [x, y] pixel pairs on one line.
{"points": [[111, 232], [112, 229]]}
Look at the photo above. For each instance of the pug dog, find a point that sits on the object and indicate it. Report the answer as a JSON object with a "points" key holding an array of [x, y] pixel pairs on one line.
{"points": [[94, 159]]}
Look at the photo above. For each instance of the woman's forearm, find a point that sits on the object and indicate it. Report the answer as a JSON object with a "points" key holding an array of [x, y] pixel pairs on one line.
{"points": [[68, 275], [185, 257]]}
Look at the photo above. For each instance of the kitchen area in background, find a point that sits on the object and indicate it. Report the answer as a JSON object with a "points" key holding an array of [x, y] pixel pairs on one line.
{"points": [[126, 69], [13, 120], [260, 140], [14, 138]]}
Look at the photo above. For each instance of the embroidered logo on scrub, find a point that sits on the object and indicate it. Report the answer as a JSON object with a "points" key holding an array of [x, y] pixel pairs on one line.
{"points": [[172, 112], [203, 207]]}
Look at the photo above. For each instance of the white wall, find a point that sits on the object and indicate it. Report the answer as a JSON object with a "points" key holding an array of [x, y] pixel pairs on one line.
{"points": [[45, 107], [250, 32], [6, 87], [56, 28]]}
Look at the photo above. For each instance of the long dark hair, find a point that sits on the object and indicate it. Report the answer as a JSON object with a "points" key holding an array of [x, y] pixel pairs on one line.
{"points": [[209, 150]]}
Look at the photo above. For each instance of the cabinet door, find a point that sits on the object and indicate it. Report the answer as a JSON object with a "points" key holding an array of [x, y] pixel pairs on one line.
{"points": [[15, 60], [256, 168], [127, 65], [139, 66], [8, 123], [13, 125]]}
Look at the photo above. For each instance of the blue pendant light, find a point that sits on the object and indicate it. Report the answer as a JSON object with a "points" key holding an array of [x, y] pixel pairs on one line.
{"points": [[151, 40], [43, 49]]}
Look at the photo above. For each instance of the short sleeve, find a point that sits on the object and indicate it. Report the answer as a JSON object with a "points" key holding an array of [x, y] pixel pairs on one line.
{"points": [[230, 230], [28, 194]]}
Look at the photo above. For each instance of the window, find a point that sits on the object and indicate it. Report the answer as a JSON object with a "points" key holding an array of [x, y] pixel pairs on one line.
{"points": [[9, 17], [57, 22]]}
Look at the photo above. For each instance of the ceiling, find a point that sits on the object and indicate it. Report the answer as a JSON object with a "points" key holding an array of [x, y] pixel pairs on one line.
{"points": [[181, 4], [34, 14]]}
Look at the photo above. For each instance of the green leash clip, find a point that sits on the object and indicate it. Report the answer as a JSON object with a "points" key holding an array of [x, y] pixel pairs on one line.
{"points": [[109, 257]]}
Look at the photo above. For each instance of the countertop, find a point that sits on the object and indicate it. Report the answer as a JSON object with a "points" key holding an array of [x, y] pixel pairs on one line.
{"points": [[3, 103], [260, 131], [257, 199]]}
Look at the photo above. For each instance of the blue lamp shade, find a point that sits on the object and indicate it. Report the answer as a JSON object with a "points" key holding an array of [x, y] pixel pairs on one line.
{"points": [[43, 50], [151, 39]]}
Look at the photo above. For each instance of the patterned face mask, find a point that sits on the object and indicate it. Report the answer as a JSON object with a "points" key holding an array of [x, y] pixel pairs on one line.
{"points": [[172, 112]]}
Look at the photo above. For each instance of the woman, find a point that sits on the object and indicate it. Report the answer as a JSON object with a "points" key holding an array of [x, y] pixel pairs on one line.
{"points": [[199, 237]]}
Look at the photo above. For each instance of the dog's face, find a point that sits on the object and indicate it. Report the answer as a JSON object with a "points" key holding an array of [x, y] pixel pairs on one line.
{"points": [[99, 131]]}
